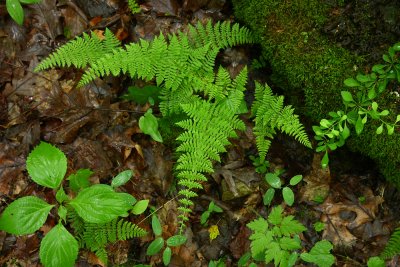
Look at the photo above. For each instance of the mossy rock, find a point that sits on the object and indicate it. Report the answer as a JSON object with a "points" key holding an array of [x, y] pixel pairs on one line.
{"points": [[311, 69]]}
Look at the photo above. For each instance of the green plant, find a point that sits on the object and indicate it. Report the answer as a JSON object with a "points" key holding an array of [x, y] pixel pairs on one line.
{"points": [[133, 6], [392, 247], [319, 226], [217, 263], [275, 182], [14, 8], [276, 239], [333, 132], [376, 262], [212, 207], [260, 165], [94, 213]]}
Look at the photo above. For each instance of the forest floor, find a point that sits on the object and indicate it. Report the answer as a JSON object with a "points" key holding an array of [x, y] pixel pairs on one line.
{"points": [[98, 130]]}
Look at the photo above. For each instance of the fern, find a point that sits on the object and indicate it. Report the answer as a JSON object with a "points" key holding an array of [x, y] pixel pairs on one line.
{"points": [[271, 115], [133, 6], [393, 246], [81, 52]]}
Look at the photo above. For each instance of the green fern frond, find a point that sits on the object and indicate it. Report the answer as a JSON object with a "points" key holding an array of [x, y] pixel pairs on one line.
{"points": [[271, 115], [133, 6], [393, 246], [81, 52]]}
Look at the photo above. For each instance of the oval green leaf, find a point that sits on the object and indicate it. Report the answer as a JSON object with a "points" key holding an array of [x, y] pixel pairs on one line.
{"points": [[350, 82], [273, 180], [58, 248], [288, 196], [204, 217], [244, 259], [149, 125], [156, 225], [47, 165], [167, 256], [25, 215], [155, 246], [359, 125], [140, 206], [325, 160], [268, 196], [121, 178], [176, 240], [100, 204], [379, 130], [296, 179], [15, 10], [347, 97]]}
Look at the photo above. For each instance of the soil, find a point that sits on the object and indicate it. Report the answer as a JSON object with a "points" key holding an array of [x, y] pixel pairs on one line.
{"points": [[98, 130]]}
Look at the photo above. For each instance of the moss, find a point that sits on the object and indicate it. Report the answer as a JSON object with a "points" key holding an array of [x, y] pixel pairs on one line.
{"points": [[311, 69]]}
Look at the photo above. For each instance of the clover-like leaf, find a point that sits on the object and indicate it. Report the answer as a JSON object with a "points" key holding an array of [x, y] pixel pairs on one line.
{"points": [[25, 215], [47, 165], [100, 204], [58, 248], [121, 178]]}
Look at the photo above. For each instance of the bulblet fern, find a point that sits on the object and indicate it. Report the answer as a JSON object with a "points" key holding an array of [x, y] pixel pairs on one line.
{"points": [[271, 115]]}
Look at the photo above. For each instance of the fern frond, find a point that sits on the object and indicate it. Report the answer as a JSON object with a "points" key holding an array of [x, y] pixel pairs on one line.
{"points": [[271, 115], [392, 247], [81, 52]]}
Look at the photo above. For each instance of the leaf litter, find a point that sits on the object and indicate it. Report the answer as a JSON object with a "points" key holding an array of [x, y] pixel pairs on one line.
{"points": [[99, 131]]}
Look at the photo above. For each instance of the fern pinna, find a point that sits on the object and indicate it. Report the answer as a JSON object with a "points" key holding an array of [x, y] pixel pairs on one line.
{"points": [[271, 114], [96, 236], [393, 245]]}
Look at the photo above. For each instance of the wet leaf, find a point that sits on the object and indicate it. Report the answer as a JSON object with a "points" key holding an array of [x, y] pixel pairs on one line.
{"points": [[58, 248], [25, 215]]}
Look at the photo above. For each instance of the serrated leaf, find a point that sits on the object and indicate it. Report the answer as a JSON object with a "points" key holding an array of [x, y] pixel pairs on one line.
{"points": [[58, 248], [258, 225], [260, 242], [350, 82], [273, 180], [176, 240], [320, 254], [100, 204], [292, 259], [273, 253], [25, 215], [80, 179], [156, 225], [268, 196], [121, 178], [61, 196], [290, 226], [347, 97], [244, 259], [167, 256], [140, 206], [62, 213], [149, 125], [375, 262], [296, 179], [288, 243], [275, 216], [288, 195], [155, 246], [46, 165], [15, 10]]}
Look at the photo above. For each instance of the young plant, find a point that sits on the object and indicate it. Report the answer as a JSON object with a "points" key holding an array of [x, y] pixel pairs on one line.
{"points": [[360, 105], [260, 165], [14, 8], [275, 182], [276, 239], [212, 207], [93, 213]]}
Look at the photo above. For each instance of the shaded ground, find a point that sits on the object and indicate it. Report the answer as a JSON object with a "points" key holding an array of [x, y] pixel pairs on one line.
{"points": [[98, 130]]}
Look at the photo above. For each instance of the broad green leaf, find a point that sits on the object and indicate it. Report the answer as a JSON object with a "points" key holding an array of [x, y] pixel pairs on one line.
{"points": [[390, 129], [15, 10], [176, 240], [216, 208], [121, 178], [320, 254], [376, 262], [268, 196], [275, 216], [359, 125], [296, 179], [345, 132], [384, 112], [58, 248], [100, 204], [204, 217], [347, 97], [379, 130], [149, 125], [288, 243], [156, 225], [80, 179], [140, 206], [325, 160], [290, 226], [25, 215], [319, 226], [350, 82], [61, 196], [292, 259], [129, 199], [258, 225], [47, 165], [167, 256], [142, 95], [378, 68], [62, 213], [244, 259], [273, 180], [155, 246], [288, 195], [371, 93]]}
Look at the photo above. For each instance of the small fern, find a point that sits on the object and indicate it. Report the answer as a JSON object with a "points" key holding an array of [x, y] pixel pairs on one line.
{"points": [[271, 115], [133, 6], [393, 245]]}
